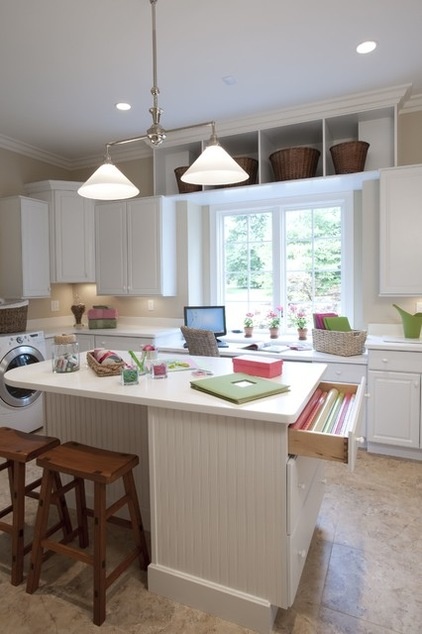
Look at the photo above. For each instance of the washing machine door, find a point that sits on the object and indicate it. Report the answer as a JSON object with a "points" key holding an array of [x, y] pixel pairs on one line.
{"points": [[15, 358]]}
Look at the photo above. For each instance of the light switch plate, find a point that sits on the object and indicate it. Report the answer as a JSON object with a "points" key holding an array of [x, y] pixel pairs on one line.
{"points": [[419, 307]]}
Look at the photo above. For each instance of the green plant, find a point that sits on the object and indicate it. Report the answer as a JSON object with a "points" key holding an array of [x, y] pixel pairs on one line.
{"points": [[248, 322], [274, 317], [298, 317]]}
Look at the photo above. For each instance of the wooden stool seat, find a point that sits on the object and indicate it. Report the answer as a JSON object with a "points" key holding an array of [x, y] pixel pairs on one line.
{"points": [[18, 448], [102, 467]]}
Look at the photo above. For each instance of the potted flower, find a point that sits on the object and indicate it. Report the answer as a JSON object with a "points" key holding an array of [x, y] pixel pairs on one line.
{"points": [[248, 324], [299, 319], [273, 321]]}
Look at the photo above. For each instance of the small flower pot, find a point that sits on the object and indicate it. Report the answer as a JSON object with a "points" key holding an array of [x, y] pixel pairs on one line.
{"points": [[248, 330], [274, 333], [302, 333]]}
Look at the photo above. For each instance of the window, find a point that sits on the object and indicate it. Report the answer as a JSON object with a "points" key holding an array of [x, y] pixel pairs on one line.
{"points": [[295, 253]]}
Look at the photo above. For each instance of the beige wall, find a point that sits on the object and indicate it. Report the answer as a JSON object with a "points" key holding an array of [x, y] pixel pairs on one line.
{"points": [[16, 170]]}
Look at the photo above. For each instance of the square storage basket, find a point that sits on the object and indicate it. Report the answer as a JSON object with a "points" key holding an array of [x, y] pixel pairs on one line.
{"points": [[13, 316], [343, 344]]}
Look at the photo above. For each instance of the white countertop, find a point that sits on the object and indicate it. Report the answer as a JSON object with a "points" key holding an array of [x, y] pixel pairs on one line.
{"points": [[175, 391]]}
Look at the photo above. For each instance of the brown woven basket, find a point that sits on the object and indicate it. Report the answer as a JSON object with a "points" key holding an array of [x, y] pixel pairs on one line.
{"points": [[294, 162], [185, 188], [250, 165], [13, 317], [343, 344], [349, 157], [111, 369]]}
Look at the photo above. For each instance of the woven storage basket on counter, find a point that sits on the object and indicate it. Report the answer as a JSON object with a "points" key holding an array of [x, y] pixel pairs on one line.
{"points": [[294, 162], [343, 344], [185, 188], [111, 369], [349, 157], [13, 316]]}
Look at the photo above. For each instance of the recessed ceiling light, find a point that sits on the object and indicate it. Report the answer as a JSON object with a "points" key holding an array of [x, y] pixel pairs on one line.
{"points": [[366, 47], [229, 80], [123, 106]]}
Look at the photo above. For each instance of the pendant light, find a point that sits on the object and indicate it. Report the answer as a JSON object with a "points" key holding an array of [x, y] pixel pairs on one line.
{"points": [[213, 167]]}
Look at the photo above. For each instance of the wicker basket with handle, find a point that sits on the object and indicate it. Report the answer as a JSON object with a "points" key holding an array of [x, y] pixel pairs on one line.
{"points": [[13, 316], [343, 344]]}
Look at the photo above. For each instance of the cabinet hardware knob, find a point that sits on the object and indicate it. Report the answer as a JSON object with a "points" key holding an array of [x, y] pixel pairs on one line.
{"points": [[302, 554], [301, 486], [384, 360], [360, 440], [323, 480]]}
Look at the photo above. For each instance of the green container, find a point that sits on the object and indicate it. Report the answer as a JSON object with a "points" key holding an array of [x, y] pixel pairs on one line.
{"points": [[412, 324]]}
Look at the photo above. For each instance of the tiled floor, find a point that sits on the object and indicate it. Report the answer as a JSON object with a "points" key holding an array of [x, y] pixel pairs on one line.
{"points": [[363, 574]]}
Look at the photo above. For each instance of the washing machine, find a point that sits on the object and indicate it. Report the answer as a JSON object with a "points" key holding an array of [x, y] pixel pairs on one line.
{"points": [[21, 409]]}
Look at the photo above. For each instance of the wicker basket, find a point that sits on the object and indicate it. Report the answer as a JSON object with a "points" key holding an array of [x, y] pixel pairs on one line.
{"points": [[111, 369], [13, 316], [343, 344], [185, 188], [250, 165], [349, 157], [294, 162]]}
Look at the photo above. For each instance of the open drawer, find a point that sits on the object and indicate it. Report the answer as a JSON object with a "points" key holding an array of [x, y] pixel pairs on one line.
{"points": [[331, 446]]}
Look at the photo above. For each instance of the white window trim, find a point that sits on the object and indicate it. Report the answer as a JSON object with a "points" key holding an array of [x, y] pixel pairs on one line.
{"points": [[345, 199]]}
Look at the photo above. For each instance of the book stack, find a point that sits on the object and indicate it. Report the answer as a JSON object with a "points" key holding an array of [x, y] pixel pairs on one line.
{"points": [[331, 321]]}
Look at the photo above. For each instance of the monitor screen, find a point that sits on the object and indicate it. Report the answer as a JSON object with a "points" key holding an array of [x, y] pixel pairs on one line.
{"points": [[206, 318]]}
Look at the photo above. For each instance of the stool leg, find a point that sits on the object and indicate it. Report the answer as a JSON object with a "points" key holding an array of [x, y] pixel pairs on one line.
{"points": [[40, 531], [18, 503], [99, 553], [136, 518], [81, 513], [62, 509]]}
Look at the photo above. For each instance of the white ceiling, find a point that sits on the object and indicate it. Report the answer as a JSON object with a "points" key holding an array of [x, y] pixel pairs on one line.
{"points": [[64, 64]]}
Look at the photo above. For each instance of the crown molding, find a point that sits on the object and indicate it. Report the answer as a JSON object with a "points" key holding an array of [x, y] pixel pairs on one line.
{"points": [[414, 104], [398, 96]]}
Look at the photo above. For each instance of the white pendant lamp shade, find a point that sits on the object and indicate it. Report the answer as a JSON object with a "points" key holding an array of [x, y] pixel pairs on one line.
{"points": [[108, 183], [214, 167]]}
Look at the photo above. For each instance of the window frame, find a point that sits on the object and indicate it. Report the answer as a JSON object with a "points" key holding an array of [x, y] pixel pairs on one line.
{"points": [[278, 208]]}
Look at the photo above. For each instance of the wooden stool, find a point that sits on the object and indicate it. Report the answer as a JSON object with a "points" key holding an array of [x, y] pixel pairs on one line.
{"points": [[18, 448], [102, 467]]}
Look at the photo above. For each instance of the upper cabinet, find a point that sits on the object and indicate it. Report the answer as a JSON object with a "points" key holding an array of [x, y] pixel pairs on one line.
{"points": [[367, 117], [400, 231], [72, 238], [24, 248], [136, 247]]}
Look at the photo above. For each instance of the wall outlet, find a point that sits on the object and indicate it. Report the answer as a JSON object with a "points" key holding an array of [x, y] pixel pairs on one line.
{"points": [[419, 307], [55, 305], [150, 304]]}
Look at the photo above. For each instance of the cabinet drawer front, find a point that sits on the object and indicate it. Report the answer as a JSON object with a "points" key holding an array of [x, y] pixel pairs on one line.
{"points": [[395, 360], [300, 476], [331, 446], [344, 372], [299, 541]]}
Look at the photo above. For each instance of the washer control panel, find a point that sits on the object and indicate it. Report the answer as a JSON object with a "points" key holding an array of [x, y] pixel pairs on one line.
{"points": [[24, 339]]}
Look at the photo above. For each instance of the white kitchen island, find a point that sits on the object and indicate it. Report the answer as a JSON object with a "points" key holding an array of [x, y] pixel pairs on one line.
{"points": [[231, 512]]}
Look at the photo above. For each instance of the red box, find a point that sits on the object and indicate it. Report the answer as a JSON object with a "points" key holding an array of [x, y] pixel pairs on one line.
{"points": [[266, 367]]}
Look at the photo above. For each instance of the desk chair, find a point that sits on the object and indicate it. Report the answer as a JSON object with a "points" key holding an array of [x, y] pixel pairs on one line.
{"points": [[201, 343]]}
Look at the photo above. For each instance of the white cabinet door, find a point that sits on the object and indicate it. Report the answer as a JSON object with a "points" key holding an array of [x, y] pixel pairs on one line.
{"points": [[24, 248], [72, 220], [136, 247], [111, 248], [400, 231], [72, 237], [394, 408]]}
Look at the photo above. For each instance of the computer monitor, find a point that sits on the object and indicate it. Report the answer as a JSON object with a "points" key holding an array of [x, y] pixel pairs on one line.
{"points": [[207, 318]]}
